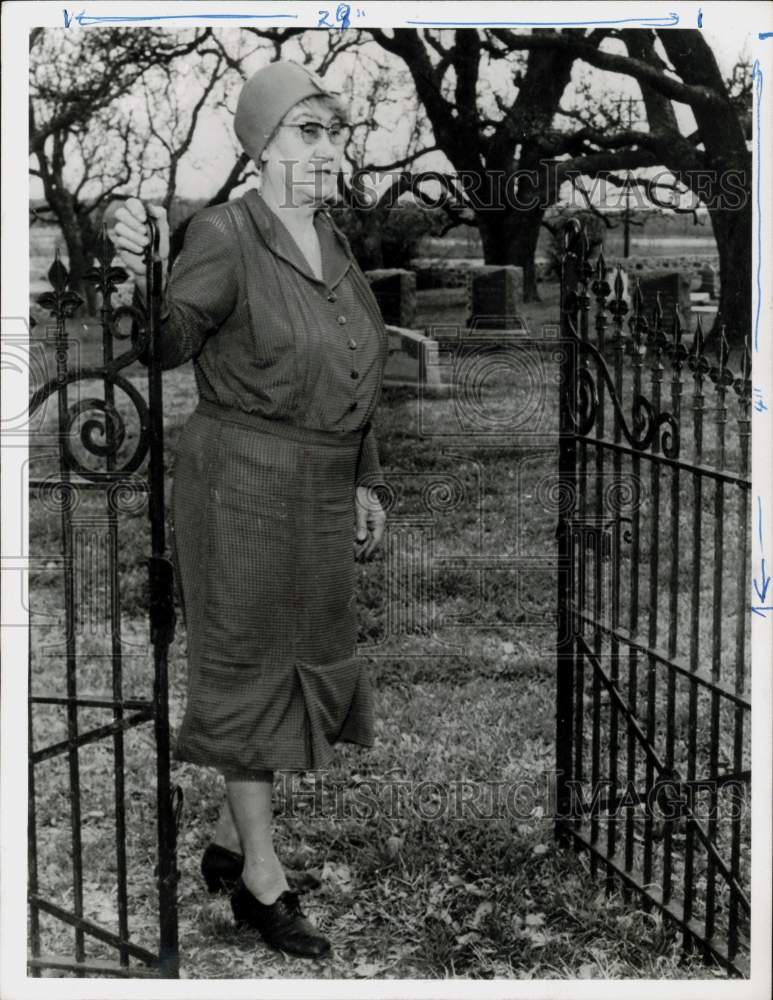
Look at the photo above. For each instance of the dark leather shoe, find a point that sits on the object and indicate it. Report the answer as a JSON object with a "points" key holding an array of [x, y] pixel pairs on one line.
{"points": [[282, 924], [221, 868]]}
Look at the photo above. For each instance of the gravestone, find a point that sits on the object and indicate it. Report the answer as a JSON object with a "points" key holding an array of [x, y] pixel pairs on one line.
{"points": [[395, 292], [496, 295], [412, 359], [674, 288], [708, 280]]}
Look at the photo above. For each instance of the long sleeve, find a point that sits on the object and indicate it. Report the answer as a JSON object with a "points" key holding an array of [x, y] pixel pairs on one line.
{"points": [[368, 463], [201, 292]]}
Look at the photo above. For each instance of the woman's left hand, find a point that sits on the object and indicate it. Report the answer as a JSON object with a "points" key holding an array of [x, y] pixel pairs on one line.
{"points": [[370, 520]]}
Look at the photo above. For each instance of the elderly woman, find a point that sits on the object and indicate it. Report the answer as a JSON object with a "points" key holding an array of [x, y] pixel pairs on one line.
{"points": [[270, 504]]}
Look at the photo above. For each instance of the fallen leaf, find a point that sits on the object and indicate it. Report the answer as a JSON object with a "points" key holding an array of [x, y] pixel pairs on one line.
{"points": [[367, 970], [482, 910], [534, 919], [393, 846], [339, 875], [540, 849]]}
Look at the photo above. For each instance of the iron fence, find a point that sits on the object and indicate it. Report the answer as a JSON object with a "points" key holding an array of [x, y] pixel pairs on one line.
{"points": [[108, 466], [653, 699]]}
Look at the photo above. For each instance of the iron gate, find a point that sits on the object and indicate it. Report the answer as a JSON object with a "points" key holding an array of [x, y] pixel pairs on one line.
{"points": [[104, 468], [653, 700]]}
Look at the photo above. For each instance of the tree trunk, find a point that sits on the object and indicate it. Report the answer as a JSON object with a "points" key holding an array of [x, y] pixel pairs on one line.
{"points": [[78, 238], [370, 255], [510, 237], [733, 233], [78, 233]]}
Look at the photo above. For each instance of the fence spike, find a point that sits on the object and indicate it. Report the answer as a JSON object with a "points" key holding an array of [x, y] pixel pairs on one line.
{"points": [[723, 348], [638, 299], [657, 313], [618, 283], [571, 230], [746, 360], [677, 329], [698, 340], [601, 267]]}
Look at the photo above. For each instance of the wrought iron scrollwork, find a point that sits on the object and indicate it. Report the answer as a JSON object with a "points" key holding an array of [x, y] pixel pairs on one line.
{"points": [[105, 432], [584, 417], [96, 422], [645, 423]]}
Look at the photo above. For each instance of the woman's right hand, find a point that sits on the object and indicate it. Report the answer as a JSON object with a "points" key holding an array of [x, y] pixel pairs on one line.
{"points": [[130, 235]]}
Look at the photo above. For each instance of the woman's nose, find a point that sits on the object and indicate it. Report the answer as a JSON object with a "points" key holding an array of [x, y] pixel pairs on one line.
{"points": [[326, 143]]}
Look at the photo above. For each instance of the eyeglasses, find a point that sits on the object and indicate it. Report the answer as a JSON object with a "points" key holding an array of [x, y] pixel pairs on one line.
{"points": [[311, 132]]}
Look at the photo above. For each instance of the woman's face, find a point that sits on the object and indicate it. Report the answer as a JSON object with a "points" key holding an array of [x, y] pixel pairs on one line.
{"points": [[300, 164]]}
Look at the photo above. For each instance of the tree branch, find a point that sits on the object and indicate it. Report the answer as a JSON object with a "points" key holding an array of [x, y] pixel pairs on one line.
{"points": [[694, 95]]}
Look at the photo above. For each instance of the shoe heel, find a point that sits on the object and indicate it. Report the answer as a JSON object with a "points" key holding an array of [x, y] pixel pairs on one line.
{"points": [[214, 885], [220, 869]]}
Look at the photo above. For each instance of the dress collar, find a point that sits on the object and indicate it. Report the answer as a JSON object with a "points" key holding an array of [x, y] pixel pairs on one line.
{"points": [[335, 250]]}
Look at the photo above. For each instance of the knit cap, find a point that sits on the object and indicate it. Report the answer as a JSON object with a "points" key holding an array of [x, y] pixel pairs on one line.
{"points": [[267, 97]]}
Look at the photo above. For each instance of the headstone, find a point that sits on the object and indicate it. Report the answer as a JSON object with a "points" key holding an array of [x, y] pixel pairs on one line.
{"points": [[395, 292], [708, 280], [674, 289], [413, 359], [439, 274], [496, 296], [441, 307]]}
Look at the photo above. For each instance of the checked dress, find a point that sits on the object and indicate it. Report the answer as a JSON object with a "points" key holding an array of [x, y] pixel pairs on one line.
{"points": [[289, 371]]}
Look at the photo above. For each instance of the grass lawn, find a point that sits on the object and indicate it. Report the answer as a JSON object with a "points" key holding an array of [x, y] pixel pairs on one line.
{"points": [[423, 874]]}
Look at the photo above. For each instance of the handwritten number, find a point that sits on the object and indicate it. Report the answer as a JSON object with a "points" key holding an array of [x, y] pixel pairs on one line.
{"points": [[700, 18], [342, 15], [343, 10]]}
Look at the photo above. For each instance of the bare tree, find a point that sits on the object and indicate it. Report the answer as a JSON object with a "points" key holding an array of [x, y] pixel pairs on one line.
{"points": [[84, 145], [714, 162], [478, 145], [537, 144]]}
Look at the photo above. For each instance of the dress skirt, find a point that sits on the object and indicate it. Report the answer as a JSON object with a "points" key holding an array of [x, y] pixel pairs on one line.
{"points": [[263, 527]]}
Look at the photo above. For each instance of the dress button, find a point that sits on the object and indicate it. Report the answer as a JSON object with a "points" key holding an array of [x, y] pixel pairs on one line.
{"points": [[332, 297], [352, 407], [342, 320], [355, 374], [352, 343]]}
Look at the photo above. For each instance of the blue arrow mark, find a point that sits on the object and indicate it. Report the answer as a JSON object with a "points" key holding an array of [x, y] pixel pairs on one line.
{"points": [[761, 588], [765, 583], [757, 77], [84, 20]]}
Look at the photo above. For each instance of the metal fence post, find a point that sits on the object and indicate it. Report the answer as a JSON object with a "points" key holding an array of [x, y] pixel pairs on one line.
{"points": [[567, 472]]}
